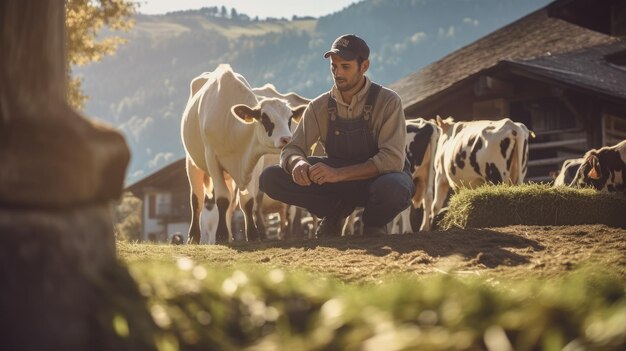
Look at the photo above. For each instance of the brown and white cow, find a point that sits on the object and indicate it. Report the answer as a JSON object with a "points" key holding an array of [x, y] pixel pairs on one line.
{"points": [[473, 153], [254, 204], [227, 128], [603, 169]]}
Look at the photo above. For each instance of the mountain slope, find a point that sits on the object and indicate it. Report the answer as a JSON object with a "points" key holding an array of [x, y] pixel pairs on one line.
{"points": [[143, 88]]}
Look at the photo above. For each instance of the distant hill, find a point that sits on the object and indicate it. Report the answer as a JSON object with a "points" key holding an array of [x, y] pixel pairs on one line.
{"points": [[143, 89]]}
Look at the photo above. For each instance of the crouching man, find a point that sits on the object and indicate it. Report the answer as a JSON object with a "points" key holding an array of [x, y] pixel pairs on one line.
{"points": [[362, 128]]}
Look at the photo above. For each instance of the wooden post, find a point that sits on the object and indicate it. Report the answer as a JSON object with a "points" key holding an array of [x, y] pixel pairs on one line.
{"points": [[61, 287]]}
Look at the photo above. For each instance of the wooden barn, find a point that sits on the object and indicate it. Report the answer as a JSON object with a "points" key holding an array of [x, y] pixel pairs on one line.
{"points": [[166, 208], [565, 82]]}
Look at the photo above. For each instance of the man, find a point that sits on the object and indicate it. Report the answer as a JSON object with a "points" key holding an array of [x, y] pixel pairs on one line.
{"points": [[361, 126]]}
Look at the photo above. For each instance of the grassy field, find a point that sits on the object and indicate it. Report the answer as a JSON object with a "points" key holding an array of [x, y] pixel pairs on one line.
{"points": [[521, 288], [487, 283]]}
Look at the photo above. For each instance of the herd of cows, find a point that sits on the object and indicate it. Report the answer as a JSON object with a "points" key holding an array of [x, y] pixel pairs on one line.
{"points": [[232, 131]]}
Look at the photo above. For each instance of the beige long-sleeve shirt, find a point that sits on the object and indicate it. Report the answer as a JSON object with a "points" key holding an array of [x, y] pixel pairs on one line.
{"points": [[387, 124]]}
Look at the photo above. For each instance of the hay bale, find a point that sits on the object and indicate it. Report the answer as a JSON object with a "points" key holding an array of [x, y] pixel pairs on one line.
{"points": [[533, 204]]}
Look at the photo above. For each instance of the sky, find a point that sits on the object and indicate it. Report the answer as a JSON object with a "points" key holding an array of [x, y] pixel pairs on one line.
{"points": [[252, 8]]}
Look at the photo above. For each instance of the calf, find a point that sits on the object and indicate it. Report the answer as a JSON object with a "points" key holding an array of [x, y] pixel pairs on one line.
{"points": [[603, 169]]}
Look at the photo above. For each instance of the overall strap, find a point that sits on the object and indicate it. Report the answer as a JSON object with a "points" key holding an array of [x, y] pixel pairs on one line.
{"points": [[332, 107], [371, 100]]}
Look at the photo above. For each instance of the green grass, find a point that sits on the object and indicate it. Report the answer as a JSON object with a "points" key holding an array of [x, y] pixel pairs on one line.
{"points": [[533, 204], [200, 307]]}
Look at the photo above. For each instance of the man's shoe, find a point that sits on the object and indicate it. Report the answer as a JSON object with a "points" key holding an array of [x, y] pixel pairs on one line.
{"points": [[332, 225], [370, 231], [343, 209], [329, 227]]}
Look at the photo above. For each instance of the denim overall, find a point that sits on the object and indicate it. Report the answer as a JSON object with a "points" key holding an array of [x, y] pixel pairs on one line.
{"points": [[351, 140], [348, 142]]}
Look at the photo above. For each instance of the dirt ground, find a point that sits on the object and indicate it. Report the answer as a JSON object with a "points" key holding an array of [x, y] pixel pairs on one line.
{"points": [[508, 252]]}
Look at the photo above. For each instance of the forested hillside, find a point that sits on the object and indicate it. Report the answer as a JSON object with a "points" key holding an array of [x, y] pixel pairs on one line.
{"points": [[144, 87]]}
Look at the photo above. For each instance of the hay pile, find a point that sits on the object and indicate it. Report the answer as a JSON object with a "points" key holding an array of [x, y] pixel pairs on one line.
{"points": [[533, 204]]}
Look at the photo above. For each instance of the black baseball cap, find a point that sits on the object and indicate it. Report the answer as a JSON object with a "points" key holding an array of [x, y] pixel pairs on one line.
{"points": [[349, 47]]}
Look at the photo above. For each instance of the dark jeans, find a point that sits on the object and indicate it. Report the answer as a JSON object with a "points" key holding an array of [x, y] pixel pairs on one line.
{"points": [[382, 197]]}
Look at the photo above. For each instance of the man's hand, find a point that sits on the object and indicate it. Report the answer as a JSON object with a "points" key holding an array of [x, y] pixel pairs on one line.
{"points": [[300, 173], [321, 173]]}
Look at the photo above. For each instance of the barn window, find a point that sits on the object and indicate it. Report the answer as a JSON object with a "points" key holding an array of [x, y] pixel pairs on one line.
{"points": [[163, 204]]}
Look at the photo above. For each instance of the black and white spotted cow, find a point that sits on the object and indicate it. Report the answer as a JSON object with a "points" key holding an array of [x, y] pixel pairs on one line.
{"points": [[568, 171], [421, 147], [473, 153], [227, 128], [603, 169]]}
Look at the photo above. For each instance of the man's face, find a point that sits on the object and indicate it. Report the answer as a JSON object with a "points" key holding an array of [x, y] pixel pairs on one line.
{"points": [[346, 74]]}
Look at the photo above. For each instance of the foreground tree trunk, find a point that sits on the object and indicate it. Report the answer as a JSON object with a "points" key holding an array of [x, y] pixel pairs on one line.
{"points": [[61, 287]]}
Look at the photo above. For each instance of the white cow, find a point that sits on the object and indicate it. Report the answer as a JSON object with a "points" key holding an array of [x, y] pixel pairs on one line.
{"points": [[226, 128], [477, 152]]}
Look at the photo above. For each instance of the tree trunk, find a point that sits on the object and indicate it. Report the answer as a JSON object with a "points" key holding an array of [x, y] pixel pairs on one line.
{"points": [[61, 286]]}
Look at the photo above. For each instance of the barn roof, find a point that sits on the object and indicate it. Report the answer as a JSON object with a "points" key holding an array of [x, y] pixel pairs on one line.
{"points": [[592, 69], [592, 14], [158, 178], [533, 36]]}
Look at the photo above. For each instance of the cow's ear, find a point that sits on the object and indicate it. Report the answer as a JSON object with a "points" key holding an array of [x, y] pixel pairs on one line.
{"points": [[439, 121], [245, 113], [594, 173], [296, 114]]}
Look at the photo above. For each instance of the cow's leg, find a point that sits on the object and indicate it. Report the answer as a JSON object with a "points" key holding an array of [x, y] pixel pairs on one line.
{"points": [[259, 216], [248, 208], [209, 214], [405, 221], [295, 221], [441, 191], [196, 197], [232, 191], [423, 180], [348, 226], [222, 196], [284, 221]]}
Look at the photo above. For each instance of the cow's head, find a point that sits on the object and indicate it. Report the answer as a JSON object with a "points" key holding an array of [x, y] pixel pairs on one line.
{"points": [[590, 172], [447, 127], [273, 117]]}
